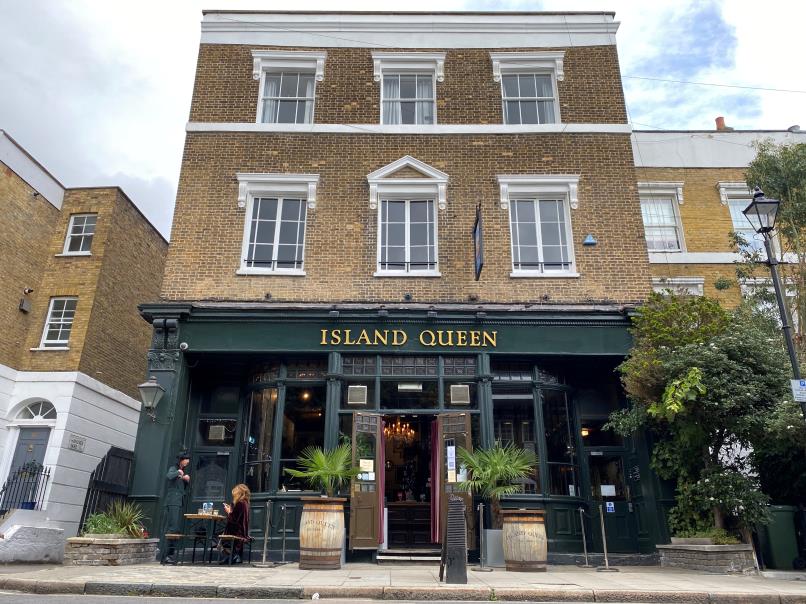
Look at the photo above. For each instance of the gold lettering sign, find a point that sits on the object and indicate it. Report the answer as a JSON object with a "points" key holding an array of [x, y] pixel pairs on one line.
{"points": [[463, 338]]}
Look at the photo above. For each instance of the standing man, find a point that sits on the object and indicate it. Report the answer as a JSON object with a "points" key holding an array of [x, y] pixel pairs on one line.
{"points": [[178, 482]]}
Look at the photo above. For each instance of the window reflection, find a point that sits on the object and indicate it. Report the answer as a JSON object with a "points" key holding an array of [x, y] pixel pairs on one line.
{"points": [[303, 426], [514, 424], [560, 452], [259, 439]]}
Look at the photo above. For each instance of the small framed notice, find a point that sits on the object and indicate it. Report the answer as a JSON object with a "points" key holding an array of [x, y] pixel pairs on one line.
{"points": [[366, 465], [608, 490]]}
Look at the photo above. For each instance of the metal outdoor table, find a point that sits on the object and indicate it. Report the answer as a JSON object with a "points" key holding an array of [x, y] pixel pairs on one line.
{"points": [[209, 523]]}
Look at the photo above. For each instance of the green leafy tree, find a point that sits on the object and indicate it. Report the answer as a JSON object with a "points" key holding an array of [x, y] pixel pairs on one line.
{"points": [[704, 381], [780, 171]]}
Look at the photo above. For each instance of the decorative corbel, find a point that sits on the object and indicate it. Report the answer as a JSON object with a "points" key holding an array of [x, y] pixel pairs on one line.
{"points": [[376, 69], [442, 198], [257, 68], [373, 196], [504, 192], [441, 73], [243, 191], [312, 195], [573, 198], [558, 68], [679, 191]]}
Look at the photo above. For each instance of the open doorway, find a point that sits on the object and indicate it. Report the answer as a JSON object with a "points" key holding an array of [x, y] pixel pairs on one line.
{"points": [[408, 484]]}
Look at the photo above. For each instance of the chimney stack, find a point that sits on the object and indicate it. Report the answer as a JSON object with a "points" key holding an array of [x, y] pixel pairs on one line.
{"points": [[720, 124]]}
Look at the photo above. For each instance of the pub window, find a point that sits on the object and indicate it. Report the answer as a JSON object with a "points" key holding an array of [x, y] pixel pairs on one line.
{"points": [[221, 399], [560, 444], [257, 465], [357, 394], [514, 424], [216, 432], [408, 365], [409, 395], [305, 369], [359, 365], [303, 426], [210, 477], [511, 371], [594, 435], [267, 372], [456, 399], [465, 365], [549, 376]]}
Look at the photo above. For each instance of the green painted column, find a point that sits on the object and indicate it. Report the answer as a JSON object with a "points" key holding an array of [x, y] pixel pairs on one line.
{"points": [[159, 435]]}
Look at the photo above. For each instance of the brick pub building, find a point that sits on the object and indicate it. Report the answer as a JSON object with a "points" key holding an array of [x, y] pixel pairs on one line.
{"points": [[341, 172]]}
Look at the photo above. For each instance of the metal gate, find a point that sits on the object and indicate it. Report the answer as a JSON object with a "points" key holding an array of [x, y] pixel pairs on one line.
{"points": [[108, 483]]}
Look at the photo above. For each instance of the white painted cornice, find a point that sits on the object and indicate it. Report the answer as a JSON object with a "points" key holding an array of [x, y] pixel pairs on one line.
{"points": [[408, 61], [383, 180], [656, 187], [250, 183], [524, 61], [511, 185], [297, 60], [409, 129], [409, 30]]}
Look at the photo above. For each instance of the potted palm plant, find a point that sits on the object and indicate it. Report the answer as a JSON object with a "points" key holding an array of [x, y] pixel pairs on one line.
{"points": [[494, 473], [321, 532]]}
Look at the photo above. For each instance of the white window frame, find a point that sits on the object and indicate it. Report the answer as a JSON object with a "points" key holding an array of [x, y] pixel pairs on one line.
{"points": [[665, 190], [65, 248], [739, 191], [409, 63], [300, 61], [434, 272], [383, 185], [44, 343], [534, 186], [540, 63], [294, 186]]}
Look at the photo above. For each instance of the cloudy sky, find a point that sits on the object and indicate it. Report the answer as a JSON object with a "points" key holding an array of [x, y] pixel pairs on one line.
{"points": [[99, 91]]}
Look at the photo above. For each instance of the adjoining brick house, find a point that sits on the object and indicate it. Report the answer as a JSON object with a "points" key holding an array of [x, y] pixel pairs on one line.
{"points": [[693, 190], [321, 279], [72, 344]]}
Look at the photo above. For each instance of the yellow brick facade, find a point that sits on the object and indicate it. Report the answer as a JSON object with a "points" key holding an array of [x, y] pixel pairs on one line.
{"points": [[108, 339]]}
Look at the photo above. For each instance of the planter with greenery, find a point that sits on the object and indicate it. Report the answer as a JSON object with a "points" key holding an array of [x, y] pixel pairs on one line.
{"points": [[322, 533], [112, 538], [711, 386], [492, 474]]}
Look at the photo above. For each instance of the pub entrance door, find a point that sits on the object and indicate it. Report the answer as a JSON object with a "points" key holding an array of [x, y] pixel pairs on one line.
{"points": [[611, 494], [408, 466]]}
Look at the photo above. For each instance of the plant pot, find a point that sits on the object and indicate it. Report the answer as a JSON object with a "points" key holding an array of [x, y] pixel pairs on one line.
{"points": [[321, 533], [525, 545], [494, 548]]}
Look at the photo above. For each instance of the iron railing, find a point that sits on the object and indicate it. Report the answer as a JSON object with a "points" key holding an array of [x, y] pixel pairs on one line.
{"points": [[25, 488]]}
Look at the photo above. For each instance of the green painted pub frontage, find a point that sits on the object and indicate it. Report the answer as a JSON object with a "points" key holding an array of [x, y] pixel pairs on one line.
{"points": [[249, 386]]}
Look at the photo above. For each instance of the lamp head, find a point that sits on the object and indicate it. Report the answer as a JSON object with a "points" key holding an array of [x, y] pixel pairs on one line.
{"points": [[150, 393], [761, 212]]}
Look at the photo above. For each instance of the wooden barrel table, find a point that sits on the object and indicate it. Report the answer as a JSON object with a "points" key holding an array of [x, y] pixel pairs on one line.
{"points": [[525, 547], [321, 533]]}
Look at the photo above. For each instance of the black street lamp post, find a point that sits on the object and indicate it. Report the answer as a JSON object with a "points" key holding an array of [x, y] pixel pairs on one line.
{"points": [[761, 214]]}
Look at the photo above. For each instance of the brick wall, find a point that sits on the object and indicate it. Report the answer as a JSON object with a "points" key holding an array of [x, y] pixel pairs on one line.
{"points": [[706, 225], [117, 337], [341, 236], [225, 91], [69, 276], [25, 231], [108, 340]]}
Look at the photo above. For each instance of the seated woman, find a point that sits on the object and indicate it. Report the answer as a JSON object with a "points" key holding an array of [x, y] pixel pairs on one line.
{"points": [[237, 523]]}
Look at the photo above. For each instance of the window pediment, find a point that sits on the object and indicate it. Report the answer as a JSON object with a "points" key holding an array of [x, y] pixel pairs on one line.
{"points": [[274, 184], [671, 189], [300, 60], [532, 61], [408, 61], [511, 185], [397, 177]]}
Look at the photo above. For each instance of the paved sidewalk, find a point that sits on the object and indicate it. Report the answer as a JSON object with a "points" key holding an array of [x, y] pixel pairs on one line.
{"points": [[560, 583]]}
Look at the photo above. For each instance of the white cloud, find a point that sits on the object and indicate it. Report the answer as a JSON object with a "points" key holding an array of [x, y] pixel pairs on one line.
{"points": [[100, 91]]}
